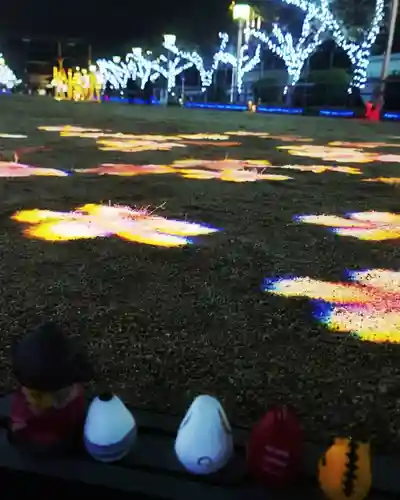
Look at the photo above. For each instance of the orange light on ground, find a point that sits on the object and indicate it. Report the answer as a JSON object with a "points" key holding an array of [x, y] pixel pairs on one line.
{"points": [[368, 145], [384, 180], [94, 221], [371, 226], [13, 169], [329, 153], [130, 146], [368, 306], [126, 169]]}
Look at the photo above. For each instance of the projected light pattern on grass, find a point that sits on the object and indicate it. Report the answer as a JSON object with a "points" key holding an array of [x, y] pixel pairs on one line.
{"points": [[372, 226], [368, 306], [126, 169], [227, 163], [266, 135], [384, 180], [232, 175], [13, 136], [130, 146], [93, 221], [320, 169], [328, 153], [388, 158], [13, 169]]}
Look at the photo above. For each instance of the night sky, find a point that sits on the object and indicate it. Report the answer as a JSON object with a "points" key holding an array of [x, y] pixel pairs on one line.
{"points": [[109, 22]]}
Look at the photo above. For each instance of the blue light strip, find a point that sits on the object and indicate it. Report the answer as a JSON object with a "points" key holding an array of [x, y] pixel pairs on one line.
{"points": [[391, 116], [342, 113], [281, 111], [129, 101], [204, 105]]}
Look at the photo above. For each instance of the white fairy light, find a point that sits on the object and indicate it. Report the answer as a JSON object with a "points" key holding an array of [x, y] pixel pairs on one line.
{"points": [[295, 54], [358, 51]]}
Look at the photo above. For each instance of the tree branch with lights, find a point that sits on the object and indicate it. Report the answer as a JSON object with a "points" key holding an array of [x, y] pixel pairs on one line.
{"points": [[357, 45], [293, 52]]}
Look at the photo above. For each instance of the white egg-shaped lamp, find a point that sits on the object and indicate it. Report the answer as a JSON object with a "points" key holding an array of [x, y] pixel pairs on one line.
{"points": [[110, 429], [204, 442]]}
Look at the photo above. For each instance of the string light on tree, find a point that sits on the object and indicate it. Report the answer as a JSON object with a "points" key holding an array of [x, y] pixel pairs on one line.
{"points": [[7, 76], [295, 54], [358, 51]]}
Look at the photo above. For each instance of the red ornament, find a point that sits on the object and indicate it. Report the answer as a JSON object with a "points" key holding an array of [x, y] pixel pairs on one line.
{"points": [[275, 448]]}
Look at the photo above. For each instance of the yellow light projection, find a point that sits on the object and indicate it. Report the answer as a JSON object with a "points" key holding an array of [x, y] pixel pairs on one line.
{"points": [[132, 146], [320, 169], [14, 169], [368, 306], [126, 169], [232, 175], [384, 180], [329, 153], [266, 135], [367, 145], [93, 221], [371, 226]]}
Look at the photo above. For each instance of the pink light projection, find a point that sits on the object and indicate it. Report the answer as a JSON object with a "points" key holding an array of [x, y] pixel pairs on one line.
{"points": [[368, 307], [14, 169], [134, 146], [93, 221], [370, 226], [126, 169], [329, 153], [389, 158]]}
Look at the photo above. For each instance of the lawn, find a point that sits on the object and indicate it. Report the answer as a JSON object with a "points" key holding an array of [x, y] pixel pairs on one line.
{"points": [[164, 324]]}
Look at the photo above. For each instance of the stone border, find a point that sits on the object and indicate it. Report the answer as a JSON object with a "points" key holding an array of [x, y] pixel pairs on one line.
{"points": [[152, 468]]}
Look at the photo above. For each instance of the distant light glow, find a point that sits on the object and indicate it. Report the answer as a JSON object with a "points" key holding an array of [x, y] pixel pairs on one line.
{"points": [[368, 306], [93, 221], [371, 226], [126, 169], [329, 153]]}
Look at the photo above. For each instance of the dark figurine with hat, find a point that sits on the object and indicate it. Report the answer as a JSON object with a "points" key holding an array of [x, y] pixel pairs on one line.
{"points": [[48, 408]]}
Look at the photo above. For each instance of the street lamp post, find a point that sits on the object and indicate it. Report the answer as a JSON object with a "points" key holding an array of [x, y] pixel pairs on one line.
{"points": [[241, 14], [168, 40], [388, 52]]}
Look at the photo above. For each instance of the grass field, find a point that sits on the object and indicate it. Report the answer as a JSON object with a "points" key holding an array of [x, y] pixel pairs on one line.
{"points": [[164, 324]]}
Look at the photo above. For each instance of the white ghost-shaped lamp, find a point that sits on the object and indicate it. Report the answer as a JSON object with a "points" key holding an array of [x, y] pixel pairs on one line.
{"points": [[110, 429], [204, 442]]}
